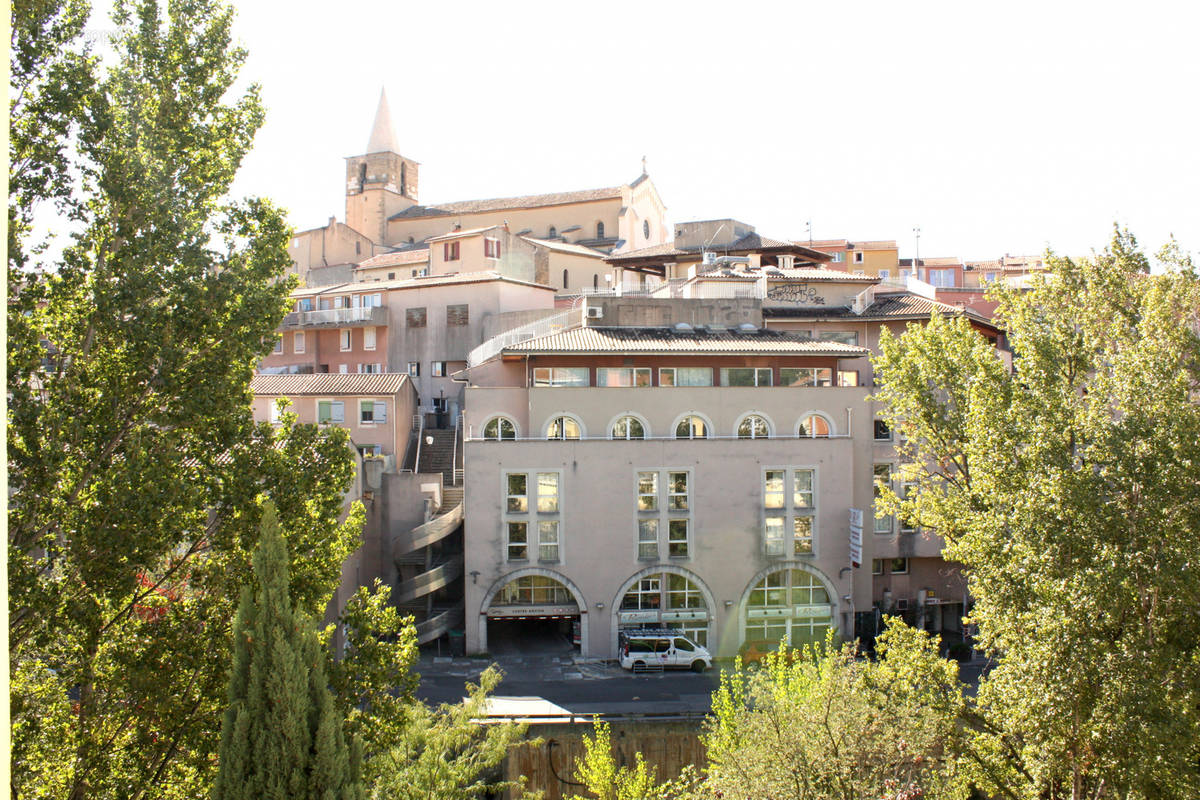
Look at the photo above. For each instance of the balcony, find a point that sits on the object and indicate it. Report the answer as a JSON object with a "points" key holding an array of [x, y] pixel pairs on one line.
{"points": [[336, 318]]}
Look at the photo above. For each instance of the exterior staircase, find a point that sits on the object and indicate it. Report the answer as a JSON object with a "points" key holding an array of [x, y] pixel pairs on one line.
{"points": [[440, 567]]}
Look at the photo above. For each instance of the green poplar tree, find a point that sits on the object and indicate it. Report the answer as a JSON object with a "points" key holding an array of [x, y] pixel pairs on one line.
{"points": [[281, 737], [1069, 488]]}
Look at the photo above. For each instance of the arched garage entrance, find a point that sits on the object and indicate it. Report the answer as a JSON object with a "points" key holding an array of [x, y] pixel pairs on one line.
{"points": [[668, 597], [533, 611], [791, 601]]}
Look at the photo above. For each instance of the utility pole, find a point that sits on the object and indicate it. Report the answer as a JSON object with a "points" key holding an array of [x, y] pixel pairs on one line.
{"points": [[917, 260]]}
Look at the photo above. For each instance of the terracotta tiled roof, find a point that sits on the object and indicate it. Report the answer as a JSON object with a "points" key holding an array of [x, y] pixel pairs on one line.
{"points": [[459, 234], [849, 244], [505, 203], [749, 243], [417, 283], [810, 275], [332, 383], [671, 340], [416, 256], [886, 306]]}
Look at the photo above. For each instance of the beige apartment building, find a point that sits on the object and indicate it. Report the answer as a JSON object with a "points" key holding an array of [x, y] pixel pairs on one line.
{"points": [[697, 474]]}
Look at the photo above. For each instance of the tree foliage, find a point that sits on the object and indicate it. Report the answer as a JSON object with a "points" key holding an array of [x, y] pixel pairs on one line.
{"points": [[134, 464], [448, 753], [1068, 487], [281, 736], [597, 769]]}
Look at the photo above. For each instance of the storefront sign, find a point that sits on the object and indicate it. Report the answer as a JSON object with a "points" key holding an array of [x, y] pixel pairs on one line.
{"points": [[671, 616], [795, 612], [638, 616], [533, 611]]}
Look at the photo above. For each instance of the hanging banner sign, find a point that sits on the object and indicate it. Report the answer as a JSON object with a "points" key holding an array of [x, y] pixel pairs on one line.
{"points": [[856, 518]]}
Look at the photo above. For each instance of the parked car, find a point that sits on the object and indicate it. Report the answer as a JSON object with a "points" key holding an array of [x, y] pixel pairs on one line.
{"points": [[661, 648], [754, 651]]}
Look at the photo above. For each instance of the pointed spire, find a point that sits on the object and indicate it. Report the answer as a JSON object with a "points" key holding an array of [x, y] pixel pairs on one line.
{"points": [[383, 137]]}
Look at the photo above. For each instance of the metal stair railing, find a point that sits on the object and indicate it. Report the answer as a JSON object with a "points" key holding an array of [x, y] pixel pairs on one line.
{"points": [[545, 326]]}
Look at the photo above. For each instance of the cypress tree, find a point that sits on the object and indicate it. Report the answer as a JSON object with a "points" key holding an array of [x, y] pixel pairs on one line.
{"points": [[282, 737]]}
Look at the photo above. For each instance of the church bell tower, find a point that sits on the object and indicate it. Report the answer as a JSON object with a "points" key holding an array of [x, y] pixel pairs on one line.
{"points": [[380, 182]]}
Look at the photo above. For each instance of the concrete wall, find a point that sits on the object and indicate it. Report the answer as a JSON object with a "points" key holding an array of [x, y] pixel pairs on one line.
{"points": [[665, 312], [537, 220], [336, 243], [391, 436]]}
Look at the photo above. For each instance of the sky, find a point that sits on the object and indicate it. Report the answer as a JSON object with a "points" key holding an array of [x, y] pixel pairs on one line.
{"points": [[994, 128]]}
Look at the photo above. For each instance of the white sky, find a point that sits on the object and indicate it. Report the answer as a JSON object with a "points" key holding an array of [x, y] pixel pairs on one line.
{"points": [[999, 127]]}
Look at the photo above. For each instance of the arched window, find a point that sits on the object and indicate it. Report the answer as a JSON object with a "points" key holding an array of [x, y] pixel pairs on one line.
{"points": [[799, 609], [599, 230], [813, 426], [563, 427], [566, 280], [498, 428], [553, 232], [628, 427], [691, 427], [753, 426]]}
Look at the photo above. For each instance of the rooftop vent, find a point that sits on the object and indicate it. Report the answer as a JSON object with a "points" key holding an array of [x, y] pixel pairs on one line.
{"points": [[682, 326], [747, 326]]}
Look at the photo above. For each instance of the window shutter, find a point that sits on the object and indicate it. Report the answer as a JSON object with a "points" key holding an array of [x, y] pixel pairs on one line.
{"points": [[338, 411], [380, 411]]}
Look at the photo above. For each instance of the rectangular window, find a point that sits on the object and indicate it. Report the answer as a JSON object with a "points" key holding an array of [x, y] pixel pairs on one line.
{"points": [[677, 538], [344, 339], [876, 566], [304, 304], [457, 315], [802, 535], [789, 502], [847, 377], [439, 369], [773, 536], [883, 479], [548, 540], [298, 341], [884, 274], [491, 248], [859, 257], [745, 376], [647, 491], [518, 541], [275, 411], [806, 376], [518, 493], [372, 300], [648, 539], [340, 301], [882, 432], [279, 345], [547, 492], [845, 337], [368, 338], [560, 376], [331, 411], [343, 369], [678, 483], [623, 376], [368, 369], [839, 258], [941, 278], [414, 368], [899, 566], [685, 376], [415, 317], [372, 411], [450, 251]]}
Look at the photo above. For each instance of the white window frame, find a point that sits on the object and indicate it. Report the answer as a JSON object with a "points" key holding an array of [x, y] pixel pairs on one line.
{"points": [[859, 257], [668, 509], [612, 434], [892, 566], [491, 247], [278, 345], [543, 528], [814, 375], [770, 426], [438, 369], [273, 413], [673, 372], [759, 373], [369, 338], [563, 438], [298, 342], [630, 374], [884, 526], [557, 377], [345, 339], [906, 526], [779, 517], [708, 427], [414, 369], [884, 274], [828, 422], [499, 437]]}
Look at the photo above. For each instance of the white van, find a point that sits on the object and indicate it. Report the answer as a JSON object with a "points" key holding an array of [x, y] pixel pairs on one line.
{"points": [[660, 648]]}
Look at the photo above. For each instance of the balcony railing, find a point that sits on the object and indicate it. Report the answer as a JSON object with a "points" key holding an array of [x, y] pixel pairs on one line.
{"points": [[429, 582], [571, 318], [337, 317]]}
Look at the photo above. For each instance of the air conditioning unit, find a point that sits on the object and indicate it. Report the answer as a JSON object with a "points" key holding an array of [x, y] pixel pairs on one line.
{"points": [[709, 258], [595, 312], [902, 604]]}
